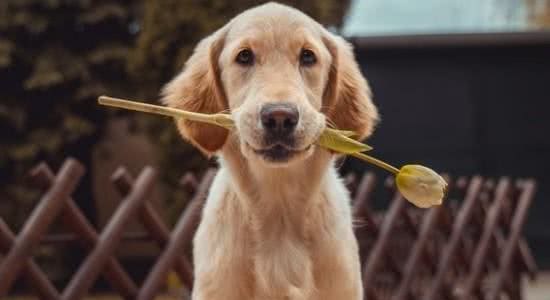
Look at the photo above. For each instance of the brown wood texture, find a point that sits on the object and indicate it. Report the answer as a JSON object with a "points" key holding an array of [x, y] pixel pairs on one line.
{"points": [[470, 248]]}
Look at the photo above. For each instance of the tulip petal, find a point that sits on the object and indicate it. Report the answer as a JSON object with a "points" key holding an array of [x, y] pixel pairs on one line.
{"points": [[421, 186], [334, 140]]}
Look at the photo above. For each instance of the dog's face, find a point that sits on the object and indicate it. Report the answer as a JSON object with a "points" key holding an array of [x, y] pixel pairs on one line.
{"points": [[282, 76], [274, 71]]}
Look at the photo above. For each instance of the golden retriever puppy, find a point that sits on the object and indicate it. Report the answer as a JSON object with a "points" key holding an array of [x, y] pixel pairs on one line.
{"points": [[277, 221]]}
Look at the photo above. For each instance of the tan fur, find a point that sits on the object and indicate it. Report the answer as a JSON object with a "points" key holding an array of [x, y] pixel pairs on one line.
{"points": [[274, 231], [199, 89], [348, 94]]}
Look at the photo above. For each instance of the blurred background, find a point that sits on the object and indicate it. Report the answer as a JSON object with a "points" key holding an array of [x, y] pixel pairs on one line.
{"points": [[462, 86]]}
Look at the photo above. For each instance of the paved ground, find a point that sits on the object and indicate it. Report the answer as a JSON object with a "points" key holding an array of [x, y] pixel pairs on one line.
{"points": [[540, 289]]}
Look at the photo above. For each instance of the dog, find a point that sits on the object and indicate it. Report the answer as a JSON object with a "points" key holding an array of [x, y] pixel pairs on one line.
{"points": [[277, 222]]}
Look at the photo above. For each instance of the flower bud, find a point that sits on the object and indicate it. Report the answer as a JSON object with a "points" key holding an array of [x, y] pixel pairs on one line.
{"points": [[420, 185]]}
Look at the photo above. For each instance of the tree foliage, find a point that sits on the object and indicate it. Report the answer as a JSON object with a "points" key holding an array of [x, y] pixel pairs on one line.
{"points": [[57, 56]]}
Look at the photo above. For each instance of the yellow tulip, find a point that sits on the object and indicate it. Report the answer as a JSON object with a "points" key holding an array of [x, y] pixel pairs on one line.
{"points": [[419, 185]]}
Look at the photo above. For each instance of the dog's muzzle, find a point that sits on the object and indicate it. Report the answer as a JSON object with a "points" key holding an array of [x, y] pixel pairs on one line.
{"points": [[279, 121]]}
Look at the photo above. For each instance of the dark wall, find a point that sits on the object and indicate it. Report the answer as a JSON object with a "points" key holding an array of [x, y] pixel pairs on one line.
{"points": [[468, 110]]}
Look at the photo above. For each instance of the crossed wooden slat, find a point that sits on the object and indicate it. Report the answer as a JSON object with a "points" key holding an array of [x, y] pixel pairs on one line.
{"points": [[32, 272], [42, 216], [57, 202], [460, 253]]}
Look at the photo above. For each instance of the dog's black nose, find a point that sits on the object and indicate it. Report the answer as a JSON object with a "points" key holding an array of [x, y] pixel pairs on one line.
{"points": [[279, 119]]}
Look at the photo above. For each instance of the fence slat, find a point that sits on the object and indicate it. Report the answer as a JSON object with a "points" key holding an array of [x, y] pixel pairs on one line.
{"points": [[71, 238], [75, 220], [42, 216], [361, 207], [491, 221], [525, 256], [527, 259], [32, 272], [181, 237], [110, 237], [461, 221], [378, 251], [525, 199], [429, 222], [154, 224]]}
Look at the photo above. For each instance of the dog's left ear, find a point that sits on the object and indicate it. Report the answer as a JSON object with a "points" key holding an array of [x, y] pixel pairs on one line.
{"points": [[347, 96], [198, 88]]}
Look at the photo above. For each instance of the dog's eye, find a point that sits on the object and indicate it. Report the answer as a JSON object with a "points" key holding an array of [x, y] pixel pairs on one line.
{"points": [[307, 57], [245, 57]]}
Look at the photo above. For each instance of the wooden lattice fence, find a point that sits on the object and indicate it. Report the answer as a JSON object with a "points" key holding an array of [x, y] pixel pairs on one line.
{"points": [[470, 248]]}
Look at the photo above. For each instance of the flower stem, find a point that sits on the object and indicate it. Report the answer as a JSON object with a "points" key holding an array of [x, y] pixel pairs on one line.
{"points": [[161, 110], [226, 122], [375, 162]]}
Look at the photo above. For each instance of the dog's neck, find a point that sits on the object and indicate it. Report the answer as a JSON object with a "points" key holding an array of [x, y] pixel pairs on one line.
{"points": [[285, 194]]}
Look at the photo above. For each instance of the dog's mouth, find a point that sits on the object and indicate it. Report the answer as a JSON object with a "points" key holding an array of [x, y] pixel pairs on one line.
{"points": [[280, 152]]}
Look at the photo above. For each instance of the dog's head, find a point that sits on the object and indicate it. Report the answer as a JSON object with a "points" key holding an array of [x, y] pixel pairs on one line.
{"points": [[282, 77]]}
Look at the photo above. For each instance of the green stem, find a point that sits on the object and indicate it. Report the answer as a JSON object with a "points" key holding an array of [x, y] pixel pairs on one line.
{"points": [[376, 162]]}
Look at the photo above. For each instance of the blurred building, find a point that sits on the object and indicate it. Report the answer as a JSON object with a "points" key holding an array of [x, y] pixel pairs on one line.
{"points": [[462, 86]]}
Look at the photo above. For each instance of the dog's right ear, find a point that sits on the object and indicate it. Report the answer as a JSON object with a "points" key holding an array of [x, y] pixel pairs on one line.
{"points": [[198, 88]]}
